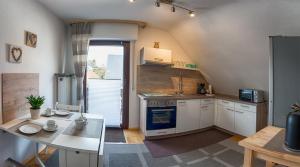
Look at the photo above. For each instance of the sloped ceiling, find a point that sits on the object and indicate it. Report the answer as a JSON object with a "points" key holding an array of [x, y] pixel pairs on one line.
{"points": [[229, 39]]}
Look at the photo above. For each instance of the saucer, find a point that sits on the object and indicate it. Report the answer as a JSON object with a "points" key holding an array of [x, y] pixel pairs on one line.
{"points": [[46, 128]]}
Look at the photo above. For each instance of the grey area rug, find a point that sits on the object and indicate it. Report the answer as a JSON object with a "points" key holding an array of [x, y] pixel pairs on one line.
{"points": [[226, 153], [186, 143]]}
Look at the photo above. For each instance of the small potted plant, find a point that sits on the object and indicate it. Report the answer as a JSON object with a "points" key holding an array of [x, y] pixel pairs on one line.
{"points": [[36, 102]]}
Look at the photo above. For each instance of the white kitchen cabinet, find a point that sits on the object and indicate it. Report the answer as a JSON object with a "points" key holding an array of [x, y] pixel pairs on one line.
{"points": [[188, 115], [227, 118], [69, 158], [207, 113], [225, 115], [245, 121]]}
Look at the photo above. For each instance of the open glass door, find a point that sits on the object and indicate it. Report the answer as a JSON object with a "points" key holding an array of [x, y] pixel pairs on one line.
{"points": [[105, 82]]}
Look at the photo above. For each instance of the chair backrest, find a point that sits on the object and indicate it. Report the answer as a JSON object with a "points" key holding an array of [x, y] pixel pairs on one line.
{"points": [[73, 108]]}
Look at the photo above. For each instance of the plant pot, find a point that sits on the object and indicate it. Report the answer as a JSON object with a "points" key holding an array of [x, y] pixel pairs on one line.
{"points": [[35, 113]]}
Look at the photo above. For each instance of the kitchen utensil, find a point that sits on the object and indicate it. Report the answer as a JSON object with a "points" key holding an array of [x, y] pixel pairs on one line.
{"points": [[201, 88]]}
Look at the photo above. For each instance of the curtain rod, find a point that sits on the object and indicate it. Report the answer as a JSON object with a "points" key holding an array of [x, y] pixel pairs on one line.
{"points": [[139, 23]]}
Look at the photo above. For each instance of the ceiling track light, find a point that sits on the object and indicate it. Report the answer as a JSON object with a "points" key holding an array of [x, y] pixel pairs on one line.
{"points": [[192, 13], [174, 6], [131, 1], [173, 9], [157, 3]]}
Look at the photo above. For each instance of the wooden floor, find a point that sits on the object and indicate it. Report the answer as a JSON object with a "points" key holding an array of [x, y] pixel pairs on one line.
{"points": [[134, 136], [42, 155]]}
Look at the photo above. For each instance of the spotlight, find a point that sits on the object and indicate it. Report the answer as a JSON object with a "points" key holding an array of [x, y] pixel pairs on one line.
{"points": [[157, 3], [131, 1], [192, 14], [173, 9]]}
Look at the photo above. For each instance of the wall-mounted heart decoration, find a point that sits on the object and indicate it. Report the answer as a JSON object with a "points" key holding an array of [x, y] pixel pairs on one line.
{"points": [[15, 54]]}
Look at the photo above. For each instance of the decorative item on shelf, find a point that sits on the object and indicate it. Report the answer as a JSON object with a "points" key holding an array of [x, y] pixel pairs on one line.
{"points": [[191, 66], [15, 54], [30, 39], [156, 45], [209, 91], [201, 88], [36, 102], [292, 134]]}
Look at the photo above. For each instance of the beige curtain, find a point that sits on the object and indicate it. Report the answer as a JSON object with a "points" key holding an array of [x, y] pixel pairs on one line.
{"points": [[81, 33]]}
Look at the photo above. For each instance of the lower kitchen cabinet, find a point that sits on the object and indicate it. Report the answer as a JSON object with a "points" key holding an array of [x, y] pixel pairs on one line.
{"points": [[225, 117], [69, 158], [245, 122], [207, 113], [188, 115], [240, 118]]}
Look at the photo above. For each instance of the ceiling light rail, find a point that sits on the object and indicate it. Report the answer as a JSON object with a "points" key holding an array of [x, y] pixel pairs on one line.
{"points": [[174, 6]]}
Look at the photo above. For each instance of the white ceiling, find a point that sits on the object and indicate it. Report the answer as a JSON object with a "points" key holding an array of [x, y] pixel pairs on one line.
{"points": [[143, 10]]}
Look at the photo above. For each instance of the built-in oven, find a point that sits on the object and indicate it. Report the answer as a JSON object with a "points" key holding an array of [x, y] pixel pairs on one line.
{"points": [[161, 117]]}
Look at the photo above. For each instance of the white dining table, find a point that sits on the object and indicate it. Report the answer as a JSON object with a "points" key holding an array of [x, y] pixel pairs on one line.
{"points": [[75, 149]]}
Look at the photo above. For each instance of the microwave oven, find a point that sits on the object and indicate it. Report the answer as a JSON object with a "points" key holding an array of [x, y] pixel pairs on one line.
{"points": [[251, 95]]}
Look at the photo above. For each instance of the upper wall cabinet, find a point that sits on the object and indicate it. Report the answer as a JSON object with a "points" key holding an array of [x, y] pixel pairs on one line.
{"points": [[154, 56]]}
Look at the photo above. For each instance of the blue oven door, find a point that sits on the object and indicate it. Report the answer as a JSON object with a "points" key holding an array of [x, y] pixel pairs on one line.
{"points": [[161, 118]]}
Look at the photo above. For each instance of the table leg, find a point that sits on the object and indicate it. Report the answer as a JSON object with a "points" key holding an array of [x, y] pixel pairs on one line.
{"points": [[269, 164], [248, 158], [37, 158]]}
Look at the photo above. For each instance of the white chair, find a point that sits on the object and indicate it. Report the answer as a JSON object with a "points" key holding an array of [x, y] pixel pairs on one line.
{"points": [[72, 108]]}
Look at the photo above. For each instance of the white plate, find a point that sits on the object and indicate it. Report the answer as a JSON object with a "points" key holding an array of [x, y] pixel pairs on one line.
{"points": [[61, 112], [50, 130], [30, 128]]}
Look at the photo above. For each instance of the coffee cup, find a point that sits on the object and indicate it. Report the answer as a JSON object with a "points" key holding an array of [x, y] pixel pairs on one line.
{"points": [[51, 124], [80, 123]]}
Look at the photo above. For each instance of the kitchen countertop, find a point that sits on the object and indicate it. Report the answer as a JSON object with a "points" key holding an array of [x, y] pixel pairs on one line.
{"points": [[196, 96]]}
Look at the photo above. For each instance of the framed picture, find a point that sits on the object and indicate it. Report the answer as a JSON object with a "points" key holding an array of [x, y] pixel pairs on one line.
{"points": [[15, 54], [30, 39]]}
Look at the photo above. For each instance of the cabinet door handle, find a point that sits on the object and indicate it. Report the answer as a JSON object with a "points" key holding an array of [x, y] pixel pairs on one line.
{"points": [[240, 112], [245, 106], [229, 109]]}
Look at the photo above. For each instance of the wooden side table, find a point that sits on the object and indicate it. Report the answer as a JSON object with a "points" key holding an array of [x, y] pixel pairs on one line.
{"points": [[268, 145]]}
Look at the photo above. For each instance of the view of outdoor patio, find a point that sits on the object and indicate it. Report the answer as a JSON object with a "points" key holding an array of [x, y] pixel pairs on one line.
{"points": [[105, 71]]}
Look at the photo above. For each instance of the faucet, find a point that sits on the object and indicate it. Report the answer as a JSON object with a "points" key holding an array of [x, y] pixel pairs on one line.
{"points": [[180, 84]]}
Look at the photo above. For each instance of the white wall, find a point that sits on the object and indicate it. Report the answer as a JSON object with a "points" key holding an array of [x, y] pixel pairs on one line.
{"points": [[231, 43], [17, 16], [146, 38]]}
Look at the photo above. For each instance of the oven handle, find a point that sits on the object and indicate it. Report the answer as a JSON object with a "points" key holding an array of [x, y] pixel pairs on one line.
{"points": [[156, 110]]}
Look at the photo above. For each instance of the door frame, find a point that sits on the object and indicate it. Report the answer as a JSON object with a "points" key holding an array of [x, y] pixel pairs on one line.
{"points": [[126, 77]]}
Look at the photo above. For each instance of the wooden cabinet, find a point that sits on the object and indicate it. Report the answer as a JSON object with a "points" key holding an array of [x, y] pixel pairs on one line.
{"points": [[188, 115], [207, 111]]}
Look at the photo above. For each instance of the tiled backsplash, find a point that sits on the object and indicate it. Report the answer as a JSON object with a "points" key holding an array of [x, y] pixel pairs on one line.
{"points": [[160, 79]]}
